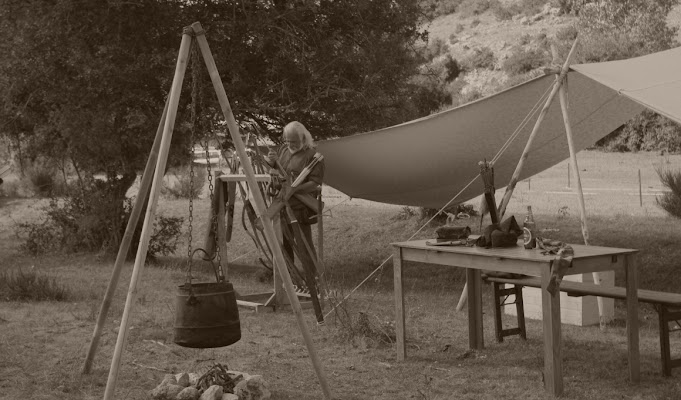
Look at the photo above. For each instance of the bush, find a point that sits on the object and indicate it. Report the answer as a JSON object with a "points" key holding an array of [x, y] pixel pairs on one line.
{"points": [[531, 7], [9, 189], [568, 6], [42, 180], [182, 187], [647, 131], [467, 97], [92, 220], [452, 68], [525, 39], [469, 8], [504, 12], [670, 201], [435, 8], [30, 286], [567, 33], [441, 218], [165, 236], [522, 61], [613, 29], [482, 58]]}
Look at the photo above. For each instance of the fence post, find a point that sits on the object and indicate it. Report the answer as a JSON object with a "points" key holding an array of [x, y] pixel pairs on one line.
{"points": [[640, 192]]}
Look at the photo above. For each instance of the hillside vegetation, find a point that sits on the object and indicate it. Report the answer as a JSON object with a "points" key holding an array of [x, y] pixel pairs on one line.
{"points": [[477, 48]]}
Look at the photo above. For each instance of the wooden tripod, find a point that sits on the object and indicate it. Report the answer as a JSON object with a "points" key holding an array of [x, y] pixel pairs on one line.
{"points": [[159, 157]]}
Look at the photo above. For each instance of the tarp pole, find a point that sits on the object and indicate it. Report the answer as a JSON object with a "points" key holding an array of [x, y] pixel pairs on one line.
{"points": [[142, 194], [516, 174], [270, 235], [143, 246], [540, 119], [578, 187]]}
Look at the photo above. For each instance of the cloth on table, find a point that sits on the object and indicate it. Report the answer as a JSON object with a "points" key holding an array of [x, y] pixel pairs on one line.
{"points": [[563, 260]]}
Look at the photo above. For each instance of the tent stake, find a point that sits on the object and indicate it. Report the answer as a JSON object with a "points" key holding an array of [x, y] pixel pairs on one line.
{"points": [[143, 246], [270, 235], [142, 194]]}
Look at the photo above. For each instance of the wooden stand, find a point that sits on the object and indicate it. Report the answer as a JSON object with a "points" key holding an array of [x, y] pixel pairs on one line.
{"points": [[277, 297], [195, 33]]}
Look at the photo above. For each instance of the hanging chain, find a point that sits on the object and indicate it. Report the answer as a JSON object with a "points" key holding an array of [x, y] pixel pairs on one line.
{"points": [[206, 147], [194, 117]]}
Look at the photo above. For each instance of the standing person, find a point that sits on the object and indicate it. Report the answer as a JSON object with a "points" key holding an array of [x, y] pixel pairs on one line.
{"points": [[297, 153]]}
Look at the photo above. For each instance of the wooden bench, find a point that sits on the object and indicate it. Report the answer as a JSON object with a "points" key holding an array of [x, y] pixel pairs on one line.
{"points": [[667, 305]]}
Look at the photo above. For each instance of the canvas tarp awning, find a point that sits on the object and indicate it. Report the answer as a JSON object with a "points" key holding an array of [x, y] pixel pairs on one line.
{"points": [[426, 162]]}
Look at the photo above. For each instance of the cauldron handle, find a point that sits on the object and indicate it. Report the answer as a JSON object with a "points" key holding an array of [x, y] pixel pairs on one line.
{"points": [[191, 300]]}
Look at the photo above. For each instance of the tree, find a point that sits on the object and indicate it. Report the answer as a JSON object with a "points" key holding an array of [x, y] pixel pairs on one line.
{"points": [[85, 80]]}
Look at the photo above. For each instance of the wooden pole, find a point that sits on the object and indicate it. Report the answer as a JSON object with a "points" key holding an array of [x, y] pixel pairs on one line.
{"points": [[568, 171], [578, 187], [640, 191], [516, 174], [142, 194], [270, 236], [540, 119], [320, 230], [174, 98], [463, 299]]}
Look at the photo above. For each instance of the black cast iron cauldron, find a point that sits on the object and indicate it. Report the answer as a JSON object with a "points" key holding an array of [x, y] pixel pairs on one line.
{"points": [[206, 315]]}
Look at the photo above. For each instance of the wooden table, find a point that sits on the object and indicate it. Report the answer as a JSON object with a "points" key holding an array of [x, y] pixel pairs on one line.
{"points": [[528, 262]]}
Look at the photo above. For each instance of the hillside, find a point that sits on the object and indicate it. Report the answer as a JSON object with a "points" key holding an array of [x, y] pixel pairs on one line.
{"points": [[465, 33]]}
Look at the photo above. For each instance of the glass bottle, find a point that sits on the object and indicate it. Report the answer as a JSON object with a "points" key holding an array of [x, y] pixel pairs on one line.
{"points": [[529, 230]]}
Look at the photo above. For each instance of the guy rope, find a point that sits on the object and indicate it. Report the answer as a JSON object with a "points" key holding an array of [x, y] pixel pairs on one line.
{"points": [[503, 148]]}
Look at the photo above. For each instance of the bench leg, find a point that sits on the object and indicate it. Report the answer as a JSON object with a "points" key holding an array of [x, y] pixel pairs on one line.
{"points": [[665, 317], [520, 311], [499, 296], [664, 341], [498, 327]]}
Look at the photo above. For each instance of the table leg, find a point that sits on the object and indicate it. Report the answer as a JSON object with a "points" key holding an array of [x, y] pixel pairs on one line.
{"points": [[475, 330], [631, 276], [399, 304], [553, 357]]}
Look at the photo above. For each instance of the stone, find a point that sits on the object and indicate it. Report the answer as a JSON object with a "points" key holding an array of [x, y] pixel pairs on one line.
{"points": [[255, 388], [166, 391], [193, 378], [188, 393], [235, 375], [230, 396], [182, 379], [169, 378], [212, 393]]}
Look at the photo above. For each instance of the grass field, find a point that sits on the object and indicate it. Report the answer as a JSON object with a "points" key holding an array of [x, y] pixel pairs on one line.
{"points": [[43, 344]]}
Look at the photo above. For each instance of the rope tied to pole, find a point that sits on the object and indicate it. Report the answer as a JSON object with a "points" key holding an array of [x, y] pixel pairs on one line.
{"points": [[503, 148]]}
